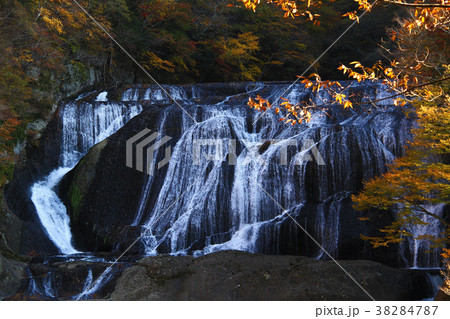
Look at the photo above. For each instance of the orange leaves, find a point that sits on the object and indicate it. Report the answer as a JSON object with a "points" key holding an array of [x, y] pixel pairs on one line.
{"points": [[310, 16], [259, 103], [364, 5], [352, 15], [62, 16], [429, 18], [347, 104], [295, 114], [446, 253], [364, 74], [7, 129], [290, 7], [339, 98], [318, 84], [331, 87], [153, 62], [389, 72], [251, 4], [342, 100], [418, 179], [299, 115]]}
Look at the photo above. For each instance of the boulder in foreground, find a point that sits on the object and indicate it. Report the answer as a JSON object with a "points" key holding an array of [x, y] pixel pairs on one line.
{"points": [[235, 275]]}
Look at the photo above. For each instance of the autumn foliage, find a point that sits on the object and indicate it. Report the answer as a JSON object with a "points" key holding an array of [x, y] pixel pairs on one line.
{"points": [[417, 73]]}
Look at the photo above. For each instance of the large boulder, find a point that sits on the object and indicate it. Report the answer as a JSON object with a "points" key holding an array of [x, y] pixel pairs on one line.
{"points": [[102, 194], [11, 274], [234, 275]]}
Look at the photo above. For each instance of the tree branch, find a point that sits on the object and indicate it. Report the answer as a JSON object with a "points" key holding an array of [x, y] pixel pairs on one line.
{"points": [[423, 5], [426, 212]]}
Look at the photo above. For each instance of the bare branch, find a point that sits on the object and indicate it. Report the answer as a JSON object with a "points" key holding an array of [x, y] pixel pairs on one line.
{"points": [[423, 5]]}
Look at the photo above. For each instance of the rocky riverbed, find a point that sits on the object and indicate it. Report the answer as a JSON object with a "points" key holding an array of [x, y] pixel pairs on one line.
{"points": [[225, 275]]}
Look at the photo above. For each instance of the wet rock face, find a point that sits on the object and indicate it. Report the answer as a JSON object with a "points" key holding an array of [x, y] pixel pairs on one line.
{"points": [[41, 156], [103, 193], [11, 274], [231, 275]]}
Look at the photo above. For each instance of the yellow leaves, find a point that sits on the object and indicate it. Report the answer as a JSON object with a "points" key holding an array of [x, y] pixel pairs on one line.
{"points": [[310, 16], [389, 72], [344, 69], [236, 56], [348, 104], [152, 61], [376, 72], [399, 102], [62, 16], [339, 98], [416, 179], [352, 15], [364, 5], [342, 100], [296, 114], [364, 74], [251, 4], [51, 21], [357, 64], [428, 18], [25, 56], [290, 8]]}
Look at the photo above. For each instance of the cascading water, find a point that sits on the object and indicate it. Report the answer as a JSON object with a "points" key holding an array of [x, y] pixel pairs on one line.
{"points": [[418, 251], [83, 125], [211, 205], [52, 212], [250, 177]]}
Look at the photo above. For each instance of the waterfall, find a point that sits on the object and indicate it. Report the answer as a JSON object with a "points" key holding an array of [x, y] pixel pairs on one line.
{"points": [[251, 178], [83, 125], [44, 288], [210, 205], [52, 212], [91, 287], [417, 251], [237, 179]]}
